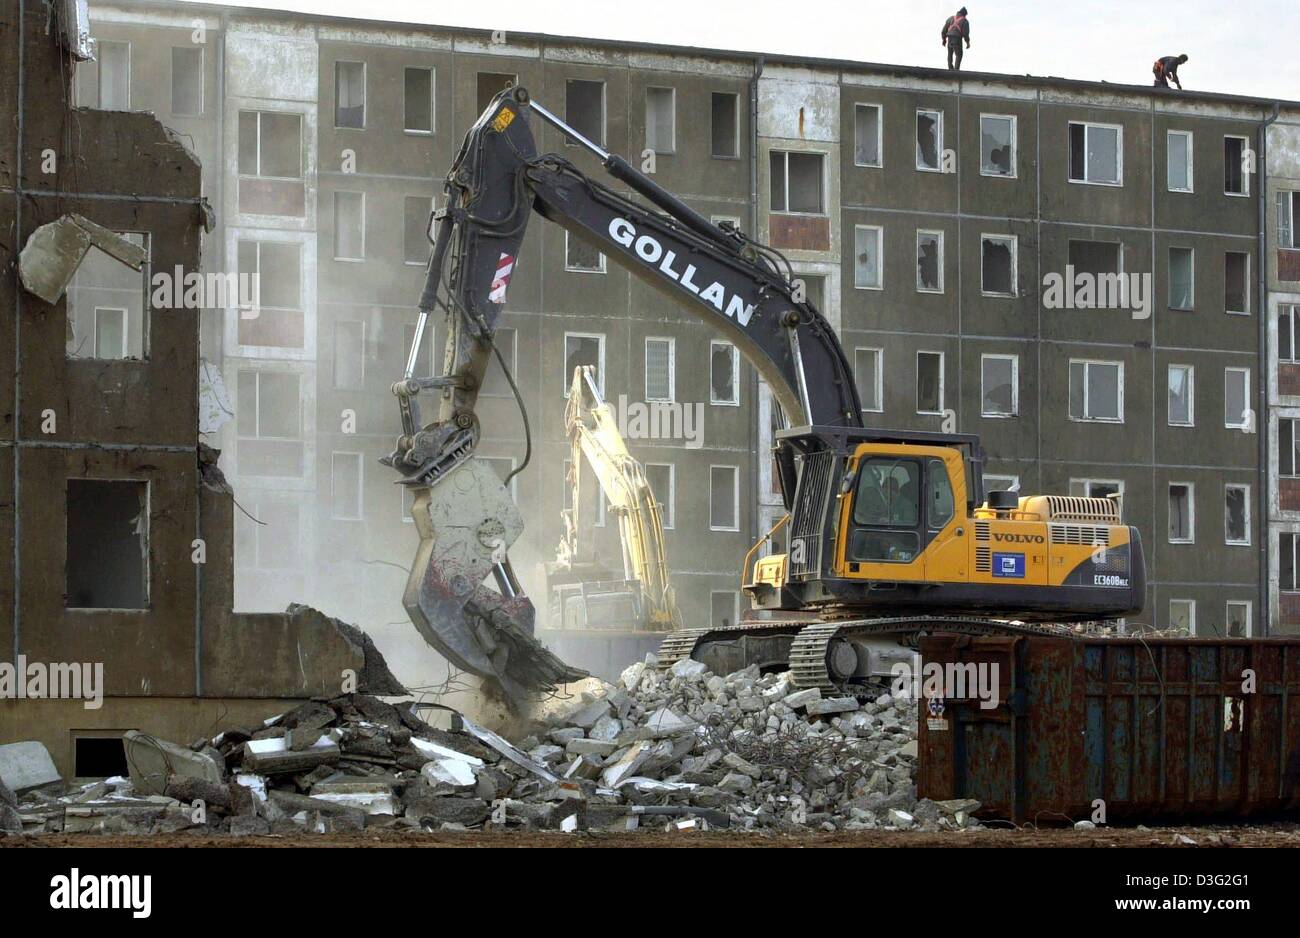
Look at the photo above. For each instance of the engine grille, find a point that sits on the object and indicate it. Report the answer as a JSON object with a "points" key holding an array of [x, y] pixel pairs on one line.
{"points": [[806, 526], [1079, 535]]}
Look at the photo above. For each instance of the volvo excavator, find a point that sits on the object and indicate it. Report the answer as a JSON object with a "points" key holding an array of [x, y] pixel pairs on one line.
{"points": [[891, 534]]}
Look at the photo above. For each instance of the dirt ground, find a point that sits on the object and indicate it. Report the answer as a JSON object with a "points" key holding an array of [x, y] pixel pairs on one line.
{"points": [[1270, 835]]}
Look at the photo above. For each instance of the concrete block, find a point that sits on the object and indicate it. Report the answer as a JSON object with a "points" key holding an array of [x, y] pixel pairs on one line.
{"points": [[801, 698], [27, 766], [626, 767], [590, 714], [831, 705], [590, 747]]}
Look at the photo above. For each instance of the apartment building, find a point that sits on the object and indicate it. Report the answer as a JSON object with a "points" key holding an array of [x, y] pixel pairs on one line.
{"points": [[939, 222]]}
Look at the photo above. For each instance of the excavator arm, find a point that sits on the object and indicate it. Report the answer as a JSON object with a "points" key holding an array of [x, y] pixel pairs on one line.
{"points": [[465, 517]]}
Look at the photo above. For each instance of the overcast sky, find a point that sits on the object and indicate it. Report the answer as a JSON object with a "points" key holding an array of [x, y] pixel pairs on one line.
{"points": [[1240, 47]]}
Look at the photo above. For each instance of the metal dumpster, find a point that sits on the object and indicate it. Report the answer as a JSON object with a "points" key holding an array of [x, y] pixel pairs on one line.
{"points": [[1156, 728]]}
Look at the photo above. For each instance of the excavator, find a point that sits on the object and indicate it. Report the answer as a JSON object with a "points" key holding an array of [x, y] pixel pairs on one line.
{"points": [[890, 533], [583, 594]]}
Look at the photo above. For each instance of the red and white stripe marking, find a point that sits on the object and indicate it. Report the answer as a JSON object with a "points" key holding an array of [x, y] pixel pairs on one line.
{"points": [[502, 279]]}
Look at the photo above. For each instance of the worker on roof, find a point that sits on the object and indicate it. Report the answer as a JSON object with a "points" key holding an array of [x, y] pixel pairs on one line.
{"points": [[955, 29], [1166, 68]]}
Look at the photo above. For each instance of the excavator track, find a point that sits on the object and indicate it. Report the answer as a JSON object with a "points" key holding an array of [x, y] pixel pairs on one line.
{"points": [[812, 644]]}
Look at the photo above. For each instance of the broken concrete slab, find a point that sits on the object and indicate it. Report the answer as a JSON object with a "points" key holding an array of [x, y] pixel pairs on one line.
{"points": [[274, 757], [54, 251], [830, 705], [27, 766], [153, 761], [627, 766], [802, 698]]}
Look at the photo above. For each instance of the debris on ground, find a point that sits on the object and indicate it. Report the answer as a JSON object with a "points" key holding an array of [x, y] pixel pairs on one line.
{"points": [[676, 749]]}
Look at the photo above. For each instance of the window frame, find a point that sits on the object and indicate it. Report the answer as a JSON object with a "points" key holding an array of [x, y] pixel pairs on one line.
{"points": [[939, 140], [672, 98], [1288, 239], [880, 377], [600, 369], [1119, 395], [1015, 384], [1245, 176], [1191, 174], [1228, 370], [880, 134], [668, 509], [880, 257], [1015, 146], [672, 368], [1289, 312], [258, 113], [1015, 264], [785, 162], [257, 408], [604, 110], [361, 486], [735, 492], [1294, 457], [1191, 613], [919, 232], [99, 74], [1191, 513], [942, 369], [1245, 501], [365, 94], [735, 373], [736, 137], [1119, 154], [361, 353], [1250, 616], [126, 325], [1169, 280], [603, 268], [1246, 293], [203, 84], [1191, 396], [335, 246], [433, 100]]}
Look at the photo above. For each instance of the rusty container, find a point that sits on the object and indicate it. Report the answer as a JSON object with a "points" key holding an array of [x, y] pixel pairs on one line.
{"points": [[1156, 729]]}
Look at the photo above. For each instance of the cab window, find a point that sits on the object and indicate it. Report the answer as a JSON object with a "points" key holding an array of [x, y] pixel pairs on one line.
{"points": [[886, 511], [939, 504]]}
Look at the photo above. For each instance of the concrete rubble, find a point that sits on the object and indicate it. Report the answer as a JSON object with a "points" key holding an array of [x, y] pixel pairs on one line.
{"points": [[664, 749]]}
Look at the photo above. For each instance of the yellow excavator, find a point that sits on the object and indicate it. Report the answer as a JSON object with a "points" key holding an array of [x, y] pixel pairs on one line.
{"points": [[891, 534], [583, 593]]}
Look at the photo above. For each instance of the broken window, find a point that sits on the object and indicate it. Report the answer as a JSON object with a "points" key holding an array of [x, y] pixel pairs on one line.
{"points": [[660, 476], [1288, 447], [867, 134], [1181, 395], [1097, 258], [1287, 349], [1236, 514], [1097, 391], [997, 145], [495, 384], [187, 81], [1236, 398], [1288, 211], [349, 354], [114, 75], [1236, 282], [107, 544], [345, 486], [724, 373], [868, 259], [584, 109], [929, 261], [416, 212], [997, 483], [869, 376], [929, 140], [724, 498], [1096, 488], [1096, 153], [1238, 616], [725, 126], [1182, 615], [722, 608], [583, 349], [998, 265], [270, 144], [581, 255], [268, 422], [349, 226], [1182, 284], [814, 290], [1181, 507], [929, 382], [661, 119], [797, 182], [350, 95], [417, 100], [490, 84], [1178, 160], [107, 303], [999, 385], [1236, 178], [660, 357]]}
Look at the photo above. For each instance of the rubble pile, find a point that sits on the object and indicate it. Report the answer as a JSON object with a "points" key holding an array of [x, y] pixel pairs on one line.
{"points": [[677, 748]]}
